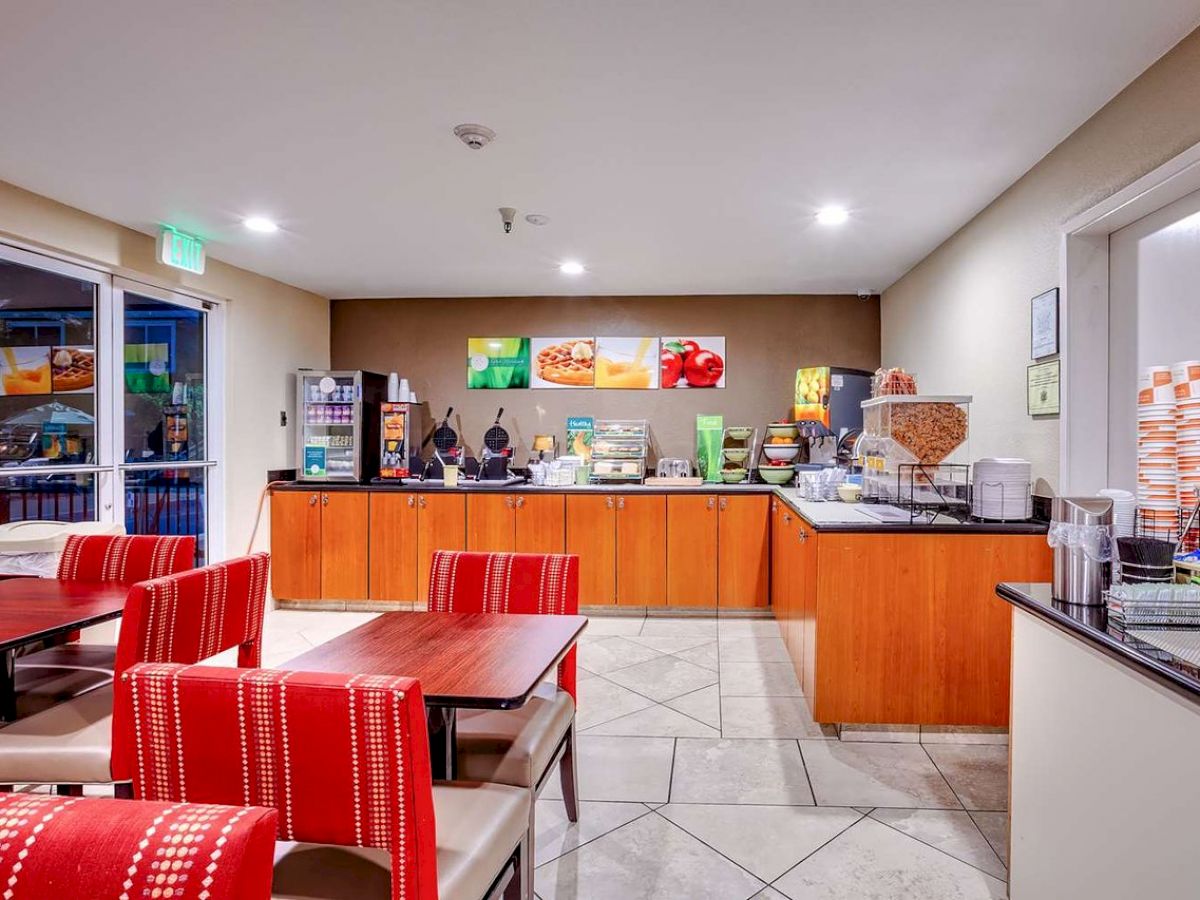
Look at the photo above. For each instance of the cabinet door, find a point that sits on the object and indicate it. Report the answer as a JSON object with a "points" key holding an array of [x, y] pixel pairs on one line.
{"points": [[745, 551], [806, 607], [490, 523], [393, 547], [692, 550], [344, 536], [441, 525], [781, 532], [296, 545], [592, 536], [641, 550], [540, 523]]}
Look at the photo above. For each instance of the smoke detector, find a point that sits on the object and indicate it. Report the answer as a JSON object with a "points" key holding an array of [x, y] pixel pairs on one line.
{"points": [[475, 136]]}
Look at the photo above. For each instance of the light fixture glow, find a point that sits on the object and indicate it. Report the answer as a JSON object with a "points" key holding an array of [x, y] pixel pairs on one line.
{"points": [[260, 223], [571, 268], [832, 215]]}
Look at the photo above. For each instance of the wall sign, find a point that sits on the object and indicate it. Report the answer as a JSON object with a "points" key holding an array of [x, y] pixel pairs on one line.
{"points": [[497, 363], [180, 251], [692, 362], [1042, 384], [1044, 324]]}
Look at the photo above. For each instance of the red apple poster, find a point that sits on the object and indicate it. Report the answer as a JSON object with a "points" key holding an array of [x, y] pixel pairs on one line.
{"points": [[692, 362]]}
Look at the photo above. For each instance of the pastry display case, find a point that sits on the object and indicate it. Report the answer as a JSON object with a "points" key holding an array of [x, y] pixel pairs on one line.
{"points": [[619, 448]]}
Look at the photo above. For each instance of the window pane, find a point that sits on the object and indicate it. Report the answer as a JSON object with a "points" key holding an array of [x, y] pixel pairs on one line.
{"points": [[168, 502], [164, 381], [51, 498], [47, 368]]}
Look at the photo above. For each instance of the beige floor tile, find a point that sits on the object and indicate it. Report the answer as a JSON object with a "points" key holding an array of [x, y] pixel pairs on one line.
{"points": [[978, 773], [613, 653], [871, 860], [994, 826], [557, 835], [770, 717], [602, 701], [599, 626], [648, 859], [681, 627], [704, 705], [759, 679], [758, 627], [705, 656], [890, 775], [769, 894], [656, 721], [627, 769], [948, 830], [725, 771], [765, 840], [753, 649], [672, 643], [664, 678]]}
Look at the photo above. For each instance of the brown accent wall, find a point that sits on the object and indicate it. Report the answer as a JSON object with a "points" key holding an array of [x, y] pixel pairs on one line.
{"points": [[767, 339]]}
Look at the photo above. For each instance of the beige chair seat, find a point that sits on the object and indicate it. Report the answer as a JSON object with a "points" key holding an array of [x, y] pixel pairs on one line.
{"points": [[70, 743], [514, 746], [56, 674], [478, 828]]}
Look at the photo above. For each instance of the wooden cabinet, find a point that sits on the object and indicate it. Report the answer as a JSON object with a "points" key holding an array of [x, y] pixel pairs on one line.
{"points": [[520, 523], [744, 540], [296, 545], [344, 518], [804, 562], [692, 550], [591, 531], [641, 550], [782, 537], [393, 547], [441, 525]]}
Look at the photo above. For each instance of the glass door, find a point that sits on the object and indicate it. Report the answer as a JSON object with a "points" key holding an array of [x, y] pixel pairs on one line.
{"points": [[165, 440]]}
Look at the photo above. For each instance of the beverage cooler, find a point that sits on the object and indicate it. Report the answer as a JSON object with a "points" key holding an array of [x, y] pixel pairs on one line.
{"points": [[338, 424]]}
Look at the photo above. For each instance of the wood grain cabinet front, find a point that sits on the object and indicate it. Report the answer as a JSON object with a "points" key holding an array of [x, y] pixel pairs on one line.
{"points": [[344, 538], [296, 545], [591, 534], [744, 542], [441, 525], [393, 547], [516, 523], [692, 550], [641, 550], [491, 523]]}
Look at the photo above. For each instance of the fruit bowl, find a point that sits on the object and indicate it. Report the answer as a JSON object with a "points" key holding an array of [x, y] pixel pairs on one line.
{"points": [[736, 454], [777, 474], [785, 452], [782, 429], [739, 432], [733, 476]]}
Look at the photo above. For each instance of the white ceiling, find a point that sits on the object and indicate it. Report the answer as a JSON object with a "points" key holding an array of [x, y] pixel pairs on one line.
{"points": [[678, 146]]}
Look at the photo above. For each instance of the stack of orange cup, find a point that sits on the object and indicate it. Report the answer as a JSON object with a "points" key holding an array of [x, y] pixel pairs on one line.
{"points": [[1157, 450], [1185, 378]]}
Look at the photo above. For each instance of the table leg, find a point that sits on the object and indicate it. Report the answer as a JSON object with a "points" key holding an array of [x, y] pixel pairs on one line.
{"points": [[443, 742], [8, 686]]}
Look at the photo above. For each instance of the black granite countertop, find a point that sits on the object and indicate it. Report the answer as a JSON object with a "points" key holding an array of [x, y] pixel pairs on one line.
{"points": [[1162, 654]]}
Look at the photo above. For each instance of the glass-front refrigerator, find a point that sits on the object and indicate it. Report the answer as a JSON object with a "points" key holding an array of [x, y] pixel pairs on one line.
{"points": [[338, 424]]}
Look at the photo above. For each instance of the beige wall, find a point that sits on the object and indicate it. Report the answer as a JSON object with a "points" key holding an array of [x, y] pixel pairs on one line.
{"points": [[271, 330], [767, 339], [960, 318]]}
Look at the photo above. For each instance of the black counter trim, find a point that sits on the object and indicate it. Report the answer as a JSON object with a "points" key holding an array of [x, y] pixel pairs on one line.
{"points": [[1111, 646]]}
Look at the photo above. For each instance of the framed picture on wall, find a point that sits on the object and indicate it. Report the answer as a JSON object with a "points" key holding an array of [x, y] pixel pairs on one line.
{"points": [[1042, 381], [1043, 320]]}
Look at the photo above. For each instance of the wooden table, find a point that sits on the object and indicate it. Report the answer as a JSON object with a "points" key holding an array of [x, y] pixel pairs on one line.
{"points": [[463, 660], [33, 609]]}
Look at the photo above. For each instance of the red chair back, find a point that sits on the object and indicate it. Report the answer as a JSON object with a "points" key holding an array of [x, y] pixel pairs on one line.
{"points": [[529, 583], [344, 758], [96, 847], [186, 618], [126, 559]]}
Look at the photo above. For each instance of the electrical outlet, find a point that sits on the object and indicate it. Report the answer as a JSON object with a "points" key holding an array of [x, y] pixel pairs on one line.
{"points": [[283, 418]]}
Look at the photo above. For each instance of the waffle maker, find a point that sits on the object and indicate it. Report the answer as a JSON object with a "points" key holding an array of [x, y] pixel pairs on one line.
{"points": [[446, 451], [497, 453]]}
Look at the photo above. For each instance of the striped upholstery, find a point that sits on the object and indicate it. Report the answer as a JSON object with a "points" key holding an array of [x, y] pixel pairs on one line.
{"points": [[65, 847], [529, 583], [187, 617], [344, 758], [126, 559]]}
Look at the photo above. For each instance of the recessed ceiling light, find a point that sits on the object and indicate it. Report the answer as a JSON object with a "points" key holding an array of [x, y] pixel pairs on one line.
{"points": [[260, 223], [832, 215], [571, 268]]}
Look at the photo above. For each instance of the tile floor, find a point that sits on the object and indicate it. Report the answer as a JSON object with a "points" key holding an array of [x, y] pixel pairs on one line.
{"points": [[704, 776]]}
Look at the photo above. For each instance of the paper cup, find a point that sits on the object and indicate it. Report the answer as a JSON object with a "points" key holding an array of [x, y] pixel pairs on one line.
{"points": [[1186, 371]]}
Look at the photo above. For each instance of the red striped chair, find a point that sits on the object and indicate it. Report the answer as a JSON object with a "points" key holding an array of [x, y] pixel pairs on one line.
{"points": [[183, 618], [59, 673], [65, 847], [345, 761]]}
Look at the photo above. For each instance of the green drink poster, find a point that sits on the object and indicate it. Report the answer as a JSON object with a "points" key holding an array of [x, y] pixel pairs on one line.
{"points": [[497, 363]]}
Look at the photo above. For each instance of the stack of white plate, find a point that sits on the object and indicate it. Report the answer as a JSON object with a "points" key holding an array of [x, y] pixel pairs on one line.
{"points": [[1124, 510], [1001, 489], [1157, 448]]}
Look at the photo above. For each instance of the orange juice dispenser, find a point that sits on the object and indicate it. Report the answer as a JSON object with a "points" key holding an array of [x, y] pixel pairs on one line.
{"points": [[401, 430], [828, 400]]}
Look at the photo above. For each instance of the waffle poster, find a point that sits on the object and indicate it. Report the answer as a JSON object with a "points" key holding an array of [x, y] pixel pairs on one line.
{"points": [[497, 363], [564, 362]]}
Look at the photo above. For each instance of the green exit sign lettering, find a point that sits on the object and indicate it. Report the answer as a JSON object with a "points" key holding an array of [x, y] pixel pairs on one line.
{"points": [[180, 251]]}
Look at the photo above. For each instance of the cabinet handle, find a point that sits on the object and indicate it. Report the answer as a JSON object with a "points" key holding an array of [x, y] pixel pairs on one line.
{"points": [[787, 519], [508, 501], [520, 502], [724, 503], [620, 503], [712, 501], [412, 501], [803, 535], [324, 499], [421, 502], [608, 501], [312, 500]]}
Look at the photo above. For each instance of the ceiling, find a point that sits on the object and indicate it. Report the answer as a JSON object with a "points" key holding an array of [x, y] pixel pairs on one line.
{"points": [[677, 147]]}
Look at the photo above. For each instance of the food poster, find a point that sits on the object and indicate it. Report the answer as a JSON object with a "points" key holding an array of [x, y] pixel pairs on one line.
{"points": [[497, 363], [560, 362], [148, 368], [627, 363], [580, 430], [692, 362], [710, 433], [812, 395], [73, 369], [24, 371]]}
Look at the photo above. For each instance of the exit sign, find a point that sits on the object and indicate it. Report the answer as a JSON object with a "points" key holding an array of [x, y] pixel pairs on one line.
{"points": [[180, 251]]}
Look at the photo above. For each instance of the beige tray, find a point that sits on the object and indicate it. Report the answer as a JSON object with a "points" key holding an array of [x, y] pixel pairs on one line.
{"points": [[655, 481]]}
